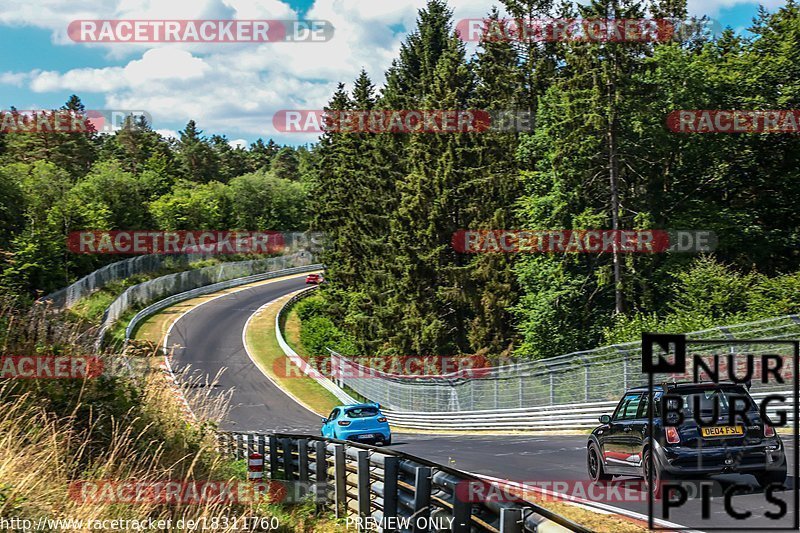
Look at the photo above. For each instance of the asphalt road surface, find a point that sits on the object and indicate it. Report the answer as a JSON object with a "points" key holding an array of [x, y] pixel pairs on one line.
{"points": [[210, 339]]}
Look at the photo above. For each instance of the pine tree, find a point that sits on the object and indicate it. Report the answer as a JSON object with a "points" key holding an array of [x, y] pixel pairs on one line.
{"points": [[199, 162]]}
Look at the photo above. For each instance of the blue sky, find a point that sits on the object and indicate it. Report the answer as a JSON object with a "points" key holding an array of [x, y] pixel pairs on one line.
{"points": [[229, 89]]}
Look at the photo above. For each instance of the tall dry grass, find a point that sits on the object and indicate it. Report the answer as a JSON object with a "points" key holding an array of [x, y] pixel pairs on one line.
{"points": [[124, 425]]}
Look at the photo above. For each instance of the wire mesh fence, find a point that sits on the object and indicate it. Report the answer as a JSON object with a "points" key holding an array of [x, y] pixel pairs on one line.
{"points": [[68, 296], [582, 377]]}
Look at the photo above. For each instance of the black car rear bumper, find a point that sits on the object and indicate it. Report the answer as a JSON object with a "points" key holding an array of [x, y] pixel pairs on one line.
{"points": [[679, 460]]}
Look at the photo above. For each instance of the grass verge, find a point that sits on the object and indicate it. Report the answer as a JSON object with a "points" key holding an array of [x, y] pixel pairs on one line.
{"points": [[263, 347], [601, 522], [291, 332], [155, 327]]}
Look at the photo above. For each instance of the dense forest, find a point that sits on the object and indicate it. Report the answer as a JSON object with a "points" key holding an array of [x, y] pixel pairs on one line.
{"points": [[600, 156], [56, 183]]}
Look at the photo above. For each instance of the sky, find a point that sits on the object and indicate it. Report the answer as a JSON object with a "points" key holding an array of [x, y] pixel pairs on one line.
{"points": [[230, 89]]}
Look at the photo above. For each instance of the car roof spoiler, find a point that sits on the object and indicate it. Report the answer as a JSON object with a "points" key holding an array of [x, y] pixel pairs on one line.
{"points": [[666, 385]]}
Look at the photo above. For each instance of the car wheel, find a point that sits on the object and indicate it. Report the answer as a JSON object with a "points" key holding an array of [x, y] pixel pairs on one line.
{"points": [[595, 465], [771, 477], [659, 476], [388, 442]]}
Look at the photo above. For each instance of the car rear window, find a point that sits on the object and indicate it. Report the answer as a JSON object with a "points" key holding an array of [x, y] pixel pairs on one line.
{"points": [[705, 398], [362, 412]]}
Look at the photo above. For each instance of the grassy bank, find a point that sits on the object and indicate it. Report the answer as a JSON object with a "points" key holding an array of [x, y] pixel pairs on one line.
{"points": [[262, 345]]}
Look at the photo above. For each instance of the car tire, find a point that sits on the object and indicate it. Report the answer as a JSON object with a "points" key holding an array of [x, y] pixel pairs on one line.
{"points": [[594, 465], [771, 477], [659, 476], [388, 442]]}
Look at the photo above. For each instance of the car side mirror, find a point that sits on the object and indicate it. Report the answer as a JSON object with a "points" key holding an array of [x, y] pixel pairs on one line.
{"points": [[605, 419]]}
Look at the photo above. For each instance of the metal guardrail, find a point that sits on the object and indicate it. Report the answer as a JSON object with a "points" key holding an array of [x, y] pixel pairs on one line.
{"points": [[209, 289], [583, 377], [309, 370], [562, 417], [183, 282], [363, 481]]}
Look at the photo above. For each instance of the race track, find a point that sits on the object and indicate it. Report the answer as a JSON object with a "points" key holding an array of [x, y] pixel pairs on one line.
{"points": [[210, 339]]}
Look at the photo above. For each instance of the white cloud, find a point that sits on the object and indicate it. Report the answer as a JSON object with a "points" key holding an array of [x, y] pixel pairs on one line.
{"points": [[234, 88], [169, 134], [14, 78], [713, 7], [238, 143]]}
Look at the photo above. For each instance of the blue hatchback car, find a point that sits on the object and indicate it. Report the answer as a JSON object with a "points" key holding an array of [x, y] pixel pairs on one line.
{"points": [[361, 422]]}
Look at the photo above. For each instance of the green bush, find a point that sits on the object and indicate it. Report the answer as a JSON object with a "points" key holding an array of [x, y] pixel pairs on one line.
{"points": [[310, 307], [319, 332], [713, 294]]}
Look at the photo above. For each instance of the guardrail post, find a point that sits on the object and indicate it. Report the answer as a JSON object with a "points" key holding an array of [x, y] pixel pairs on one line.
{"points": [[239, 446], [510, 520], [340, 480], [391, 470], [288, 469], [302, 460], [422, 498], [261, 447], [322, 473], [251, 447], [552, 388], [364, 509], [462, 513], [273, 457]]}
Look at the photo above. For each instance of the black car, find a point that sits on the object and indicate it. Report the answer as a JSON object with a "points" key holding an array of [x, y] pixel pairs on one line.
{"points": [[621, 445]]}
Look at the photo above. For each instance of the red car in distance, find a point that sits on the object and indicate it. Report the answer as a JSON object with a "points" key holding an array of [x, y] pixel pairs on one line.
{"points": [[314, 279]]}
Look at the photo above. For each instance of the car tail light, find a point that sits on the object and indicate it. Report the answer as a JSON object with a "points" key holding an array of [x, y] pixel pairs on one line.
{"points": [[673, 437], [382, 419], [769, 431], [344, 422]]}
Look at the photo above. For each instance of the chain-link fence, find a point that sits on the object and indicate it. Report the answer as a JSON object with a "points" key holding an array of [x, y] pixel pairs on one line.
{"points": [[156, 289], [68, 296], [583, 377]]}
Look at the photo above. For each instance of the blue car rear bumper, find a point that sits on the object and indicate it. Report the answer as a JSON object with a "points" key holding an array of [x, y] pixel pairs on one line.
{"points": [[366, 435]]}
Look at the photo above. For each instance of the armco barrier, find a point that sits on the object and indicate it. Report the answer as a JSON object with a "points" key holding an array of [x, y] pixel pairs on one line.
{"points": [[552, 416], [579, 378], [209, 289], [556, 418], [216, 276], [363, 481]]}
